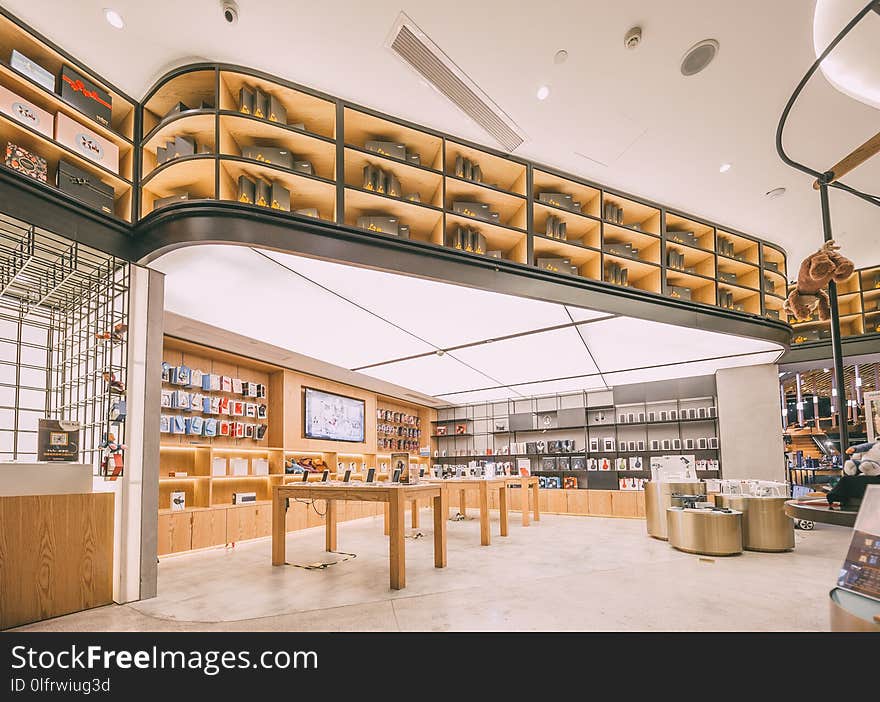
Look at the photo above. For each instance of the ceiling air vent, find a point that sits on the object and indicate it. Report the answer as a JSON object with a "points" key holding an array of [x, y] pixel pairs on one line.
{"points": [[414, 47]]}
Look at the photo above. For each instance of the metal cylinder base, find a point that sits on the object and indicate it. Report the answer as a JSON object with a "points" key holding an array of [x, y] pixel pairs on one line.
{"points": [[765, 526], [704, 531], [658, 496]]}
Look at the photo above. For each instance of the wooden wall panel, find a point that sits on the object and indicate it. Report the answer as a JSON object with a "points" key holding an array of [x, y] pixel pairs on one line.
{"points": [[56, 555], [557, 502], [623, 503], [180, 528], [578, 501], [241, 523], [600, 503], [164, 534]]}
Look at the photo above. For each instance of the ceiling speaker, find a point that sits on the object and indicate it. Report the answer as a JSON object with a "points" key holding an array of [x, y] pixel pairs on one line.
{"points": [[699, 56]]}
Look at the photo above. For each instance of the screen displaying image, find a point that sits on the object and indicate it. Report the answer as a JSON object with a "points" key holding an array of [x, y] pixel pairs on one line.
{"points": [[333, 417]]}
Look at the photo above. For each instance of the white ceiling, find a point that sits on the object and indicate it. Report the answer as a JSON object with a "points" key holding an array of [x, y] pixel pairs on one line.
{"points": [[658, 134], [454, 343]]}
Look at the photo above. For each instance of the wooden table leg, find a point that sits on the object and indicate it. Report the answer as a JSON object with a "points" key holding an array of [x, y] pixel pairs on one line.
{"points": [[524, 501], [441, 509], [502, 508], [396, 544], [462, 503], [385, 512], [485, 537], [414, 508], [279, 536], [536, 508], [331, 525]]}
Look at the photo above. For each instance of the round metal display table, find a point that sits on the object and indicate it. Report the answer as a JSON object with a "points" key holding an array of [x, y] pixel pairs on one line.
{"points": [[818, 511], [705, 531], [765, 526], [852, 612], [658, 496]]}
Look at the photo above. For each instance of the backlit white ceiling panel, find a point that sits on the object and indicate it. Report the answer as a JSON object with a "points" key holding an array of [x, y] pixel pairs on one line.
{"points": [[436, 338]]}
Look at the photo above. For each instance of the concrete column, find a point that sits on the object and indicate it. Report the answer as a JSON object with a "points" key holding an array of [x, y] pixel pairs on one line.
{"points": [[748, 423], [137, 493]]}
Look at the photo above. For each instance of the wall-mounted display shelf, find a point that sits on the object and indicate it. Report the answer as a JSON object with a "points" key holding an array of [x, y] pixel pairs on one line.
{"points": [[591, 436], [392, 178], [858, 303], [69, 115]]}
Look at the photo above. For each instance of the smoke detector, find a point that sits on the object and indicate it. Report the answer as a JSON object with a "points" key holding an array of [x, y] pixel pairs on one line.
{"points": [[633, 38], [699, 56]]}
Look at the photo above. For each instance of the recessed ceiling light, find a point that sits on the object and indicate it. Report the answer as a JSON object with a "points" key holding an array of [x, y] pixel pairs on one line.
{"points": [[776, 192], [543, 92], [561, 56], [724, 168], [114, 19]]}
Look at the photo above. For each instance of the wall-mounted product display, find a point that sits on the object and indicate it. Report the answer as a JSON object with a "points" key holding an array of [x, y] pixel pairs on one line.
{"points": [[53, 110], [858, 304], [402, 180]]}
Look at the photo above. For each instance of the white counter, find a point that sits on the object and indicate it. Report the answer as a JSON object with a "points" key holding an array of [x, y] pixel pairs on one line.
{"points": [[18, 479]]}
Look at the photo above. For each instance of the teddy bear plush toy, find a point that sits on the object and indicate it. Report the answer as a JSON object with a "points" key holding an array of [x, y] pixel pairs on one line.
{"points": [[816, 271], [864, 459]]}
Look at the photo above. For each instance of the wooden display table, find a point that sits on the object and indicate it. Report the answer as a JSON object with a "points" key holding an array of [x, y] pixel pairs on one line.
{"points": [[395, 496], [483, 485], [526, 482]]}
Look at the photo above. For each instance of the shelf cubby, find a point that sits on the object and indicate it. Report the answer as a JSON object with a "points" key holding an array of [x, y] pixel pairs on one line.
{"points": [[590, 198], [13, 36], [361, 127], [512, 245], [425, 223], [702, 262], [774, 304], [192, 175], [745, 250], [636, 215], [198, 125], [305, 191], [642, 276], [413, 179], [238, 131], [499, 174], [850, 285], [49, 149], [588, 261], [702, 289], [749, 299], [703, 233], [647, 244], [318, 115], [870, 281], [777, 281], [580, 229], [849, 303], [771, 255], [871, 322], [511, 209], [193, 89]]}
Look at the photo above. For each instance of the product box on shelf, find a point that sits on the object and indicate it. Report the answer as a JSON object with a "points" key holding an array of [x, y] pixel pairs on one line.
{"points": [[26, 112], [383, 225], [303, 166], [247, 190], [170, 200], [178, 501], [679, 291], [246, 100], [87, 97], [387, 148], [243, 498], [478, 210], [262, 198], [559, 200], [276, 111], [261, 104], [268, 154], [85, 187], [27, 163], [32, 70], [86, 142], [279, 197]]}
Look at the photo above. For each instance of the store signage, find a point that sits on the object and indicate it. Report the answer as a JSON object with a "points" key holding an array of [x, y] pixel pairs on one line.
{"points": [[58, 440], [872, 415]]}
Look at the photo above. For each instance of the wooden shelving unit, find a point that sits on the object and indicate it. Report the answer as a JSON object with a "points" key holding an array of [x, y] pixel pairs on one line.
{"points": [[120, 131], [675, 250]]}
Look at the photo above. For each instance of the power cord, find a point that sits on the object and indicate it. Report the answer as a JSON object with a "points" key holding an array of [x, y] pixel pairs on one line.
{"points": [[305, 501]]}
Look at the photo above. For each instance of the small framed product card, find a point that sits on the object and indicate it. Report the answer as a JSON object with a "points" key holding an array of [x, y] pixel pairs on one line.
{"points": [[400, 461], [178, 501], [58, 440], [861, 568]]}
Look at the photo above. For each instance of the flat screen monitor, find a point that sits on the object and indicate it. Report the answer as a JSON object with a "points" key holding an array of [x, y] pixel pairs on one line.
{"points": [[333, 417]]}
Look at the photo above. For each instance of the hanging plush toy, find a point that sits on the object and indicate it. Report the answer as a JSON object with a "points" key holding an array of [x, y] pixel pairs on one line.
{"points": [[816, 271]]}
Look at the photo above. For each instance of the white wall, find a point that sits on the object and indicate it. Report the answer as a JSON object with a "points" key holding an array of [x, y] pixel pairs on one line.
{"points": [[750, 422]]}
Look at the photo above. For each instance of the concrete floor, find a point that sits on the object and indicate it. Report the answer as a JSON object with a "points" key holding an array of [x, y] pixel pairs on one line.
{"points": [[565, 573]]}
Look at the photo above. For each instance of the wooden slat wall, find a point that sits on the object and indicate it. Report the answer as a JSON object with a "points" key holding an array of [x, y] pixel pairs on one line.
{"points": [[56, 555]]}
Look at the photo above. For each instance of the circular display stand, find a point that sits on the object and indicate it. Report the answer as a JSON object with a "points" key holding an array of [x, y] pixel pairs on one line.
{"points": [[704, 531], [819, 511], [765, 526], [849, 611], [658, 496]]}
